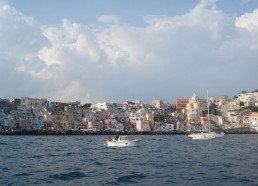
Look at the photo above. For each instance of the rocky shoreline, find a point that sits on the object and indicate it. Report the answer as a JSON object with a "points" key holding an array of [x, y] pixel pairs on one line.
{"points": [[78, 132]]}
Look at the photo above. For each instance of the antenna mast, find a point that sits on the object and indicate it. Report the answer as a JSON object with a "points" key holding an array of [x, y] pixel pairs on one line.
{"points": [[208, 117]]}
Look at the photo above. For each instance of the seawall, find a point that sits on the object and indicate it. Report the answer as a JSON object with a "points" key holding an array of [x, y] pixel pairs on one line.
{"points": [[111, 133]]}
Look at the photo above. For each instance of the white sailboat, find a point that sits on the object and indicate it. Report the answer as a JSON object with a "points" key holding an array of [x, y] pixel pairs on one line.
{"points": [[206, 135]]}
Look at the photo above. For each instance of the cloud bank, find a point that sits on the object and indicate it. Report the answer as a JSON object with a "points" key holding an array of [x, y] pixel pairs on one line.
{"points": [[248, 21], [167, 58]]}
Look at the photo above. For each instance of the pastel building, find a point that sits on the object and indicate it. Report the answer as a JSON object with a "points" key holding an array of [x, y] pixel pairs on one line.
{"points": [[143, 125], [181, 104], [95, 125], [194, 108], [253, 119], [59, 120], [113, 125], [203, 120], [157, 103]]}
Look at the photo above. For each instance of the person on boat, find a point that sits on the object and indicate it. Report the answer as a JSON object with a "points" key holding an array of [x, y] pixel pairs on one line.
{"points": [[117, 136]]}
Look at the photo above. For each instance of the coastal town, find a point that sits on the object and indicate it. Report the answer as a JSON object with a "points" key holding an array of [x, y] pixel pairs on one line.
{"points": [[186, 115]]}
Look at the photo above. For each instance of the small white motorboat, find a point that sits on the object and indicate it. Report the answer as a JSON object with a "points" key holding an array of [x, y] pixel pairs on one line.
{"points": [[201, 136], [121, 141]]}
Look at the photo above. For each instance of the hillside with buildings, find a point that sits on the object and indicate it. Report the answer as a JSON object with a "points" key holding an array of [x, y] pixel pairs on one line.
{"points": [[190, 114]]}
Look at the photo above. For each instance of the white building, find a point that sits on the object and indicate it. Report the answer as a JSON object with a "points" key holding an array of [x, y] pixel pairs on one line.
{"points": [[249, 99], [33, 102], [253, 119], [167, 127], [143, 125], [107, 106], [134, 117], [157, 103], [219, 101]]}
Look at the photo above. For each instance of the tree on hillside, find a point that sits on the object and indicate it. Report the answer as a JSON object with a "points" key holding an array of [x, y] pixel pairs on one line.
{"points": [[87, 105], [235, 97], [254, 109], [243, 92], [256, 90]]}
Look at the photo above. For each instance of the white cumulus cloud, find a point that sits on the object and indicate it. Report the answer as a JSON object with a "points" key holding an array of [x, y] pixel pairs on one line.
{"points": [[168, 58], [248, 21]]}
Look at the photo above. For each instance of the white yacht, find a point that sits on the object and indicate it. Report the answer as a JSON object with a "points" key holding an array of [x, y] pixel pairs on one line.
{"points": [[201, 136], [206, 135], [218, 135]]}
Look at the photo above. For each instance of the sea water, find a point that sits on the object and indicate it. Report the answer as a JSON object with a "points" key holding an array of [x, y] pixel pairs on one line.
{"points": [[157, 160]]}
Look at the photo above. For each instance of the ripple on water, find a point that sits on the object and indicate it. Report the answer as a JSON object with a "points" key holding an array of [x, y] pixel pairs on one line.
{"points": [[130, 178], [98, 163], [22, 174], [68, 176], [37, 156], [120, 159]]}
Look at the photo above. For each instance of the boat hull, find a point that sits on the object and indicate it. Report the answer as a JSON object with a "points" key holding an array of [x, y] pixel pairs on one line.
{"points": [[201, 136], [218, 135], [122, 142], [205, 136]]}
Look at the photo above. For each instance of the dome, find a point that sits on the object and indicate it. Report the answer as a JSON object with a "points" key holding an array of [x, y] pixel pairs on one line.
{"points": [[194, 98]]}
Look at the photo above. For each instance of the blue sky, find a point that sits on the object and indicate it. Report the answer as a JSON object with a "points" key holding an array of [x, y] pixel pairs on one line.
{"points": [[87, 12], [130, 11], [113, 50]]}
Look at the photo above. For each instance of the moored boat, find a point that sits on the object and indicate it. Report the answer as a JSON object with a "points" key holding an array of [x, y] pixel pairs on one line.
{"points": [[208, 135], [201, 136], [217, 135]]}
